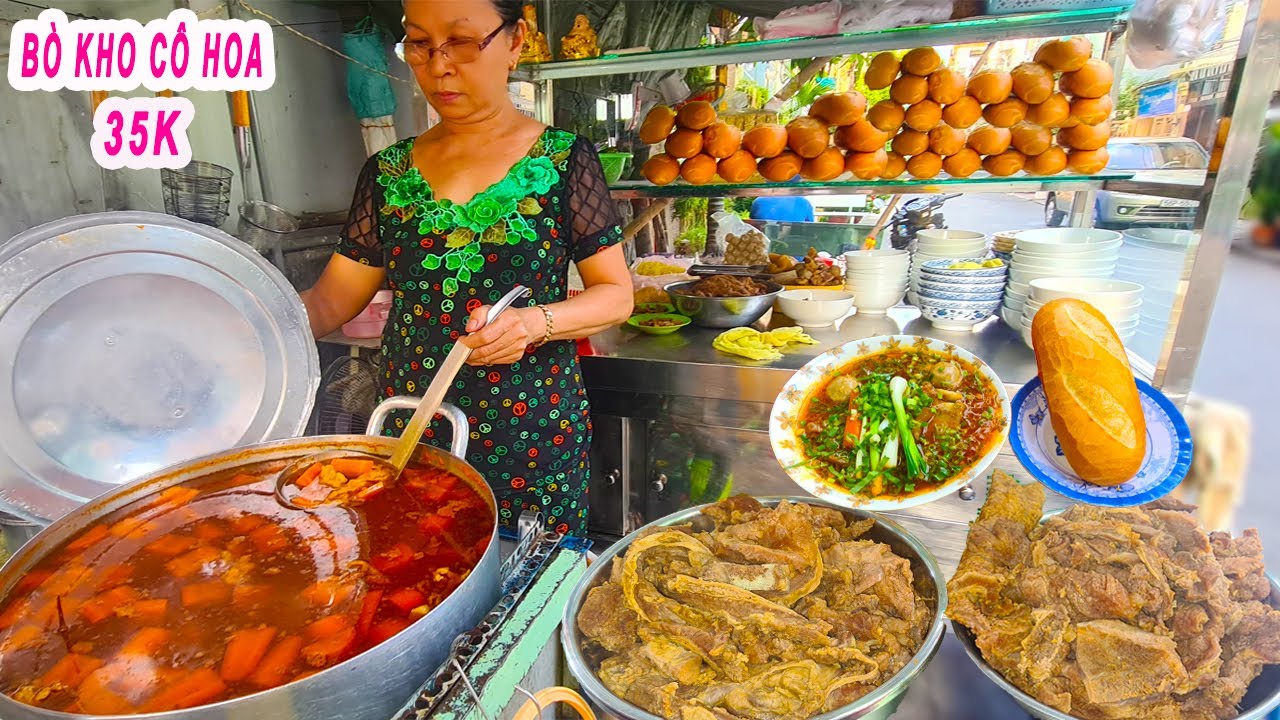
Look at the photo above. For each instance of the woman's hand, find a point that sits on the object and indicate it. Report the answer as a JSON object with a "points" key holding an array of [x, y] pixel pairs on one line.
{"points": [[504, 341]]}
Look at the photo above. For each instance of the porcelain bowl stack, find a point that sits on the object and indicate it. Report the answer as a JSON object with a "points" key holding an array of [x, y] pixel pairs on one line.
{"points": [[1119, 300], [1056, 253], [1156, 259], [959, 298], [877, 279], [943, 245], [1002, 245]]}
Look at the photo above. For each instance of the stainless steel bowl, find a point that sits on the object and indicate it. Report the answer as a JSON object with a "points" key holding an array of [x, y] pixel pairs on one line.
{"points": [[876, 705], [1263, 695], [722, 312]]}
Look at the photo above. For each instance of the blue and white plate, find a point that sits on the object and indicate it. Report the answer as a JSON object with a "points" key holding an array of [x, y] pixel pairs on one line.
{"points": [[1166, 464]]}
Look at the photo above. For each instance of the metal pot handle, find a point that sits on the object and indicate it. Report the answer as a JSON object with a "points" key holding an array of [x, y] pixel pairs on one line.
{"points": [[456, 418]]}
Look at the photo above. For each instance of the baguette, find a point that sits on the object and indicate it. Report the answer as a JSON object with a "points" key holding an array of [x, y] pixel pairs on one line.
{"points": [[1093, 399]]}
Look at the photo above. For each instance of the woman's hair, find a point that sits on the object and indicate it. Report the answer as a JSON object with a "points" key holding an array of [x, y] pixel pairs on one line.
{"points": [[511, 11]]}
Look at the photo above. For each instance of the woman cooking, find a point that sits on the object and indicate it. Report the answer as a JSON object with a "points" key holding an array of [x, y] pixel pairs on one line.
{"points": [[451, 220]]}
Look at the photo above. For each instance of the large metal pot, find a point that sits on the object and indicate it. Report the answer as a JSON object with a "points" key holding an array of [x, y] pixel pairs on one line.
{"points": [[876, 705], [374, 684]]}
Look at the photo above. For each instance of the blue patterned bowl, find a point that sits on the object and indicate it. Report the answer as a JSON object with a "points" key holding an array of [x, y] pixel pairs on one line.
{"points": [[956, 319], [922, 274], [994, 303], [928, 295], [943, 267], [925, 283]]}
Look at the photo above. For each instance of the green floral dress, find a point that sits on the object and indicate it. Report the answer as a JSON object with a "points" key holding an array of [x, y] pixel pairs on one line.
{"points": [[530, 430]]}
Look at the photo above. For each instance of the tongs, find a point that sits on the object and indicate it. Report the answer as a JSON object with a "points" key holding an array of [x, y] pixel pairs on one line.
{"points": [[408, 442]]}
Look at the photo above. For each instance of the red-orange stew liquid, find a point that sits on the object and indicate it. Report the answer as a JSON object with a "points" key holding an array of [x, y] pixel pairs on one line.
{"points": [[210, 591]]}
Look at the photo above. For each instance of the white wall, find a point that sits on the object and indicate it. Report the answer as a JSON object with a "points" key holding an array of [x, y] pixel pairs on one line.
{"points": [[310, 135]]}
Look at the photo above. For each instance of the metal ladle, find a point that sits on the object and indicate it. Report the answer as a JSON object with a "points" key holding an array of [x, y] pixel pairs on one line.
{"points": [[426, 410]]}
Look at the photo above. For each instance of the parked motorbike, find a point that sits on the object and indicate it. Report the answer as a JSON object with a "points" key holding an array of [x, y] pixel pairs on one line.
{"points": [[915, 215]]}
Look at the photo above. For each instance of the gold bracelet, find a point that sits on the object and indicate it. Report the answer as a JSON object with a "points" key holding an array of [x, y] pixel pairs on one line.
{"points": [[546, 313]]}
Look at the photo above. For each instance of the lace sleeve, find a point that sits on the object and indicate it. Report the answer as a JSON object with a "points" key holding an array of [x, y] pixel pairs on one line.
{"points": [[359, 238], [594, 219]]}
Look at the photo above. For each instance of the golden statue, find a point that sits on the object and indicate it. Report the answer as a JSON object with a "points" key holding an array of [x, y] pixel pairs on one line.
{"points": [[535, 48], [581, 42]]}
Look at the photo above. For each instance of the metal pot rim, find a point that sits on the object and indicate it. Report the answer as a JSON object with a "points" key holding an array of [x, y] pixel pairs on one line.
{"points": [[60, 530], [596, 690]]}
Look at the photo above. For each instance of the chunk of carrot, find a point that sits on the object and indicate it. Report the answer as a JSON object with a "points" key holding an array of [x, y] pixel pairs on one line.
{"points": [[197, 595], [243, 479], [279, 660], [96, 698], [351, 467], [246, 596], [328, 592], [177, 495], [171, 545], [125, 526], [396, 560], [368, 609], [146, 641], [208, 530], [71, 670], [436, 524], [188, 564], [13, 611], [406, 599], [329, 650], [114, 575], [269, 539], [245, 652], [32, 580], [308, 476], [152, 610], [104, 605], [326, 626], [386, 628], [88, 538], [244, 524], [198, 688]]}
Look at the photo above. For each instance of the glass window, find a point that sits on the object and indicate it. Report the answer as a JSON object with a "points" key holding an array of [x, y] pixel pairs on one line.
{"points": [[1131, 156], [1181, 155]]}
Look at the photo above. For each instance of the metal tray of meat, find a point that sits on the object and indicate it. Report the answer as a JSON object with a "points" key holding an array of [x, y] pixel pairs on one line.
{"points": [[130, 341]]}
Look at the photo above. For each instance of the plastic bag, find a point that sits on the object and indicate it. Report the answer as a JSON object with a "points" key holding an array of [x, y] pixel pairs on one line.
{"points": [[742, 243], [870, 15], [808, 20], [659, 281], [369, 92], [1164, 32]]}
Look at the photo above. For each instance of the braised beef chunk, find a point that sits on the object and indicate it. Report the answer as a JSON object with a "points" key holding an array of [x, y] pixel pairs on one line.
{"points": [[1109, 614], [777, 614]]}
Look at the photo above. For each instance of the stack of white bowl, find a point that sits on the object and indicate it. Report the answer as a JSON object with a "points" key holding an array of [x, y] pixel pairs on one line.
{"points": [[1003, 243], [876, 278], [1120, 301], [943, 245], [1156, 259], [1056, 252]]}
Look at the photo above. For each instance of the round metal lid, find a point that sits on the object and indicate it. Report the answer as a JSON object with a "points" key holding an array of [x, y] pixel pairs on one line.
{"points": [[130, 341]]}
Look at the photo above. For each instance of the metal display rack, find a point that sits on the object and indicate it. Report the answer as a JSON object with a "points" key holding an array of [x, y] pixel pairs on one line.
{"points": [[1220, 194]]}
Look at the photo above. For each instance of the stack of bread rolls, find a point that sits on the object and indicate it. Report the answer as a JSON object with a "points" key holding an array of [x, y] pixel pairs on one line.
{"points": [[1045, 116]]}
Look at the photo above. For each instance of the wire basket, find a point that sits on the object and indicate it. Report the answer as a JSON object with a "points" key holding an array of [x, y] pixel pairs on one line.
{"points": [[265, 226], [1013, 7], [200, 192]]}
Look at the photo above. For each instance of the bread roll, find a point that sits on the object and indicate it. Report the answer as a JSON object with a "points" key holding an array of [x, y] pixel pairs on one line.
{"points": [[924, 115], [1005, 114], [882, 70], [911, 142], [925, 165], [661, 169], [765, 141], [1066, 54], [1051, 113], [1031, 139], [1092, 80], [1091, 111], [657, 125], [963, 164], [946, 86], [989, 140], [1004, 164], [696, 115], [684, 143], [839, 109], [909, 89], [1032, 82], [867, 165], [991, 86], [886, 115], [1085, 137], [962, 113], [1093, 400], [738, 167], [828, 165], [1088, 162], [894, 166], [698, 170], [921, 61], [720, 140], [862, 136], [1049, 162], [807, 137], [782, 167], [946, 140]]}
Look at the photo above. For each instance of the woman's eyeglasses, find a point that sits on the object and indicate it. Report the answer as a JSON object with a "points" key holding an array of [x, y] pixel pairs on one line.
{"points": [[420, 52]]}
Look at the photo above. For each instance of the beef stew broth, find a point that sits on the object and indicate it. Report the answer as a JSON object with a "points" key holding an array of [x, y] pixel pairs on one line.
{"points": [[210, 591]]}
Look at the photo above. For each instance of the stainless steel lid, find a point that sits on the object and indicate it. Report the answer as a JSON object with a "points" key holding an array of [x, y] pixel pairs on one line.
{"points": [[130, 341]]}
